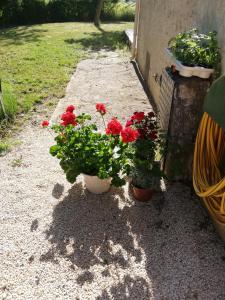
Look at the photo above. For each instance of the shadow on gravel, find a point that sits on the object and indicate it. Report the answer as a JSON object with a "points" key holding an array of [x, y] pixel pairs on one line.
{"points": [[84, 228], [84, 225], [57, 190], [163, 236], [34, 225], [130, 288]]}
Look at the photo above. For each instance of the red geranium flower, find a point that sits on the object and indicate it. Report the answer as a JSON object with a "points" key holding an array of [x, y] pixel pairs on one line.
{"points": [[114, 127], [129, 123], [68, 118], [151, 114], [101, 108], [70, 108], [45, 123], [142, 132], [138, 116], [153, 135], [129, 135]]}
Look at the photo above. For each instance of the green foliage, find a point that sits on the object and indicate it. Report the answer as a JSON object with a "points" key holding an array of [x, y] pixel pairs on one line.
{"points": [[39, 11], [145, 169], [146, 174], [119, 11], [4, 147], [83, 150], [5, 143], [71, 10], [33, 11], [19, 12], [196, 49], [17, 162], [9, 102]]}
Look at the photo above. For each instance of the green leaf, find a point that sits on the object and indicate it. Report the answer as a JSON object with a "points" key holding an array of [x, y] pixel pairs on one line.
{"points": [[64, 165], [118, 182], [54, 150], [71, 176]]}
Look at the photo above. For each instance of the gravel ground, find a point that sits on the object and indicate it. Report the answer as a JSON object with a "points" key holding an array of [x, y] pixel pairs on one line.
{"points": [[60, 242]]}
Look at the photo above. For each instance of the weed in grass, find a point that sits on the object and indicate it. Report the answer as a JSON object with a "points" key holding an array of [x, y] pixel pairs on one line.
{"points": [[50, 103], [4, 147], [4, 125], [38, 101], [17, 162]]}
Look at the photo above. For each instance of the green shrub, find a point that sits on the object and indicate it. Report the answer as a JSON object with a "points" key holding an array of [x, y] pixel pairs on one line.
{"points": [[15, 12], [18, 12], [40, 11], [33, 11], [10, 12], [71, 10], [120, 11]]}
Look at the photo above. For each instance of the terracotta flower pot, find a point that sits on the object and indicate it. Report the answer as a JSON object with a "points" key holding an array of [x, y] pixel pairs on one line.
{"points": [[142, 194], [96, 185]]}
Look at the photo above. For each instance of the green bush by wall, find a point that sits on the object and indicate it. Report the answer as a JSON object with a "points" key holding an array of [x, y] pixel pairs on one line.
{"points": [[120, 11], [20, 12]]}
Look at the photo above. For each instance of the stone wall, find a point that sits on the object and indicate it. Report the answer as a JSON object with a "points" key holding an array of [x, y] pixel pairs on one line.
{"points": [[162, 19]]}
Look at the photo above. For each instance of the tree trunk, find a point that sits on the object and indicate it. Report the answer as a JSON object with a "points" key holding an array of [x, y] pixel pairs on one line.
{"points": [[98, 12]]}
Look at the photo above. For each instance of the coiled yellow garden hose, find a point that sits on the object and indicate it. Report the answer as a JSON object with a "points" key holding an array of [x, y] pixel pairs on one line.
{"points": [[208, 173]]}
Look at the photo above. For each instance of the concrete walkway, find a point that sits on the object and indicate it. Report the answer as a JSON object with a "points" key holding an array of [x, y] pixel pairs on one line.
{"points": [[111, 80], [60, 242]]}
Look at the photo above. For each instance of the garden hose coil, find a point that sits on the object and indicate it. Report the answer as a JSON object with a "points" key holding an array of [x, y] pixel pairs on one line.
{"points": [[208, 173]]}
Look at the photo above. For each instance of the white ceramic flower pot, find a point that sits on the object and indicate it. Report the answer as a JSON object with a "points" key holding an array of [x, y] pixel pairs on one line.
{"points": [[96, 185], [189, 71]]}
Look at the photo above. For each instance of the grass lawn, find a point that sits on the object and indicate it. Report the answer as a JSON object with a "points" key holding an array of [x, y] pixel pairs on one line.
{"points": [[37, 61]]}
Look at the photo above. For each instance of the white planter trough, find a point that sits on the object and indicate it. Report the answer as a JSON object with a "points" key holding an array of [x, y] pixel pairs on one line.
{"points": [[96, 185], [189, 71]]}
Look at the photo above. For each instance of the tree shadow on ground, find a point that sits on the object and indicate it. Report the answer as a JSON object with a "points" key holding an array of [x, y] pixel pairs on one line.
{"points": [[165, 238], [21, 35], [92, 230], [84, 226], [129, 289], [95, 41]]}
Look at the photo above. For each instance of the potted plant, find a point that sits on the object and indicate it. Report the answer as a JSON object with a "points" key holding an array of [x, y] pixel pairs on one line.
{"points": [[194, 53], [145, 171], [83, 149]]}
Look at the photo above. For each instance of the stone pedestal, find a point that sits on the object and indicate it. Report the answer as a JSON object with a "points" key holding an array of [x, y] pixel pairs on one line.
{"points": [[185, 116]]}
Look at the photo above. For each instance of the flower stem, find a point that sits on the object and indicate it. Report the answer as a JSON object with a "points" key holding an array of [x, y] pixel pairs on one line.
{"points": [[103, 121], [50, 132]]}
